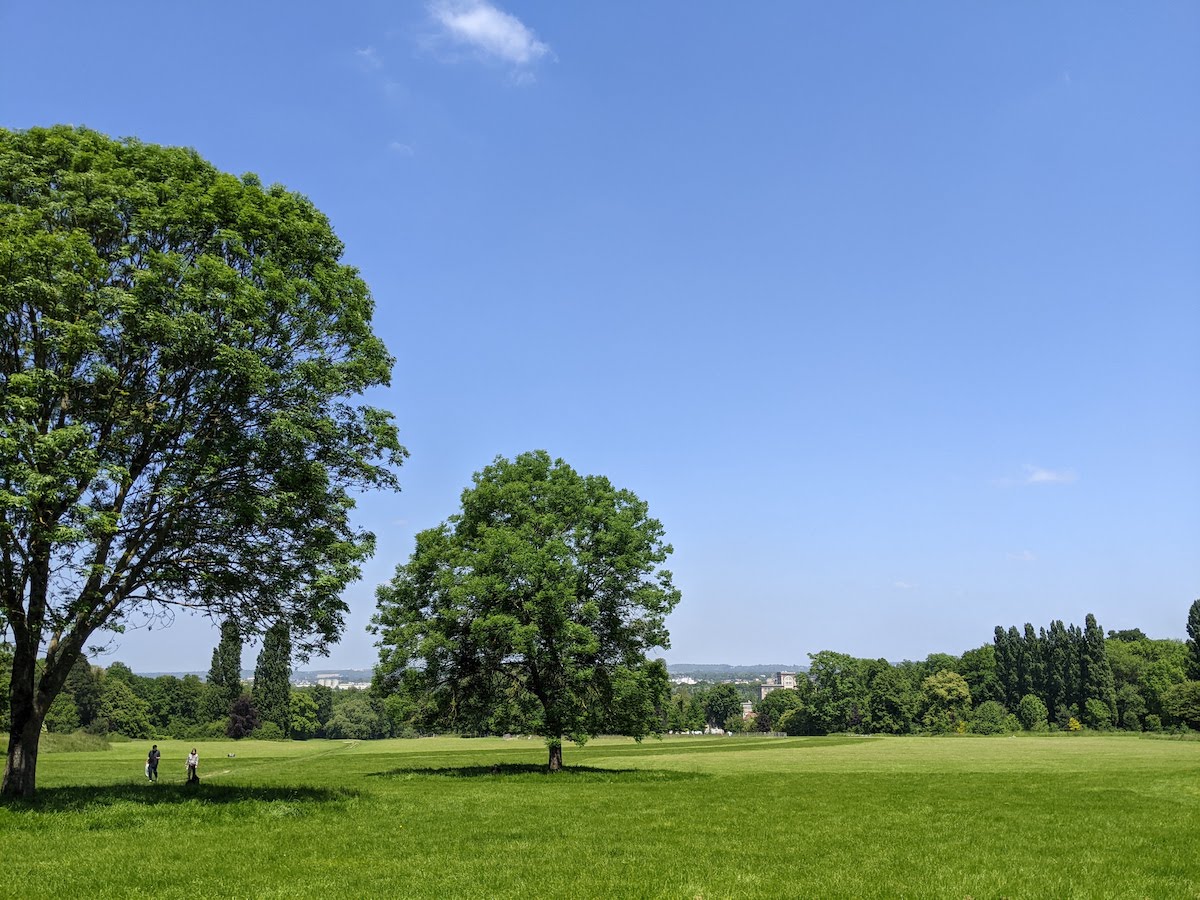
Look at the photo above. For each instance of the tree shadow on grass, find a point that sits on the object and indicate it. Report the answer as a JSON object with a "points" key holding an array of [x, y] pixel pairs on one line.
{"points": [[532, 770], [750, 743], [76, 798]]}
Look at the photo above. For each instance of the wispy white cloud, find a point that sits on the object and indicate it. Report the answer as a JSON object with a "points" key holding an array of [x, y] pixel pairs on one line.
{"points": [[489, 30], [400, 148], [1038, 475], [368, 58], [1023, 556], [903, 585]]}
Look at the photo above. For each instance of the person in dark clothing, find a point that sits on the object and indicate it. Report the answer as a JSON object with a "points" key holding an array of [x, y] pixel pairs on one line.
{"points": [[152, 763]]}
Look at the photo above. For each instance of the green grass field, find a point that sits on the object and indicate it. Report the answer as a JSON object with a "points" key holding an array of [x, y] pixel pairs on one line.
{"points": [[1028, 816]]}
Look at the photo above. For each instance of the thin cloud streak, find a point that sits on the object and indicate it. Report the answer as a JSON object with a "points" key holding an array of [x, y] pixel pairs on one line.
{"points": [[1038, 475], [488, 29]]}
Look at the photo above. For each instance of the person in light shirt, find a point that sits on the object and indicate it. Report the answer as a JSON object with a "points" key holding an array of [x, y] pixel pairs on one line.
{"points": [[193, 760]]}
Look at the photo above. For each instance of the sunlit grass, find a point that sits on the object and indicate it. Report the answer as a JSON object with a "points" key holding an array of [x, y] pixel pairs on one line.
{"points": [[1047, 816]]}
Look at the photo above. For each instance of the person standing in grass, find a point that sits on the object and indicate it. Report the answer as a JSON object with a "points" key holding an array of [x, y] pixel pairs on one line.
{"points": [[152, 763], [193, 760]]}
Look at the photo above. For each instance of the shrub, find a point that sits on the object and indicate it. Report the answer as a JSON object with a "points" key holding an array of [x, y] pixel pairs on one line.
{"points": [[354, 719], [1182, 701], [268, 731], [243, 718], [1063, 716], [1153, 723], [735, 724], [988, 718], [795, 721], [1073, 724], [1032, 713], [1097, 713], [63, 715]]}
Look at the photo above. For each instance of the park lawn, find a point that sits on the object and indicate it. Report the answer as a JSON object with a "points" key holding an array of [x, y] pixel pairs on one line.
{"points": [[1027, 816]]}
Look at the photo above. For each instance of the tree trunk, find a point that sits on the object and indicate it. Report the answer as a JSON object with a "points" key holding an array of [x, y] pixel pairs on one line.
{"points": [[555, 754], [20, 770]]}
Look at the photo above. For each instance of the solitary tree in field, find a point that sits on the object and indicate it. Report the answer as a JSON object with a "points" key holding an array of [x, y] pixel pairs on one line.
{"points": [[544, 592], [179, 355]]}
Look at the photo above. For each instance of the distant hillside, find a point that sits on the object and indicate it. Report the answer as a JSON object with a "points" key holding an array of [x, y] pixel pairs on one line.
{"points": [[721, 672], [699, 671], [309, 675], [348, 675]]}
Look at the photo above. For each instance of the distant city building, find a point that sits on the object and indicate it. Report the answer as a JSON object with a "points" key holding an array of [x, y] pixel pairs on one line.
{"points": [[329, 681], [747, 709], [777, 681], [683, 679]]}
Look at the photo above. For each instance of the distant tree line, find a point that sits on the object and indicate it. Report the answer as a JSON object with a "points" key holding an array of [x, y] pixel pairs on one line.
{"points": [[115, 700], [1061, 677]]}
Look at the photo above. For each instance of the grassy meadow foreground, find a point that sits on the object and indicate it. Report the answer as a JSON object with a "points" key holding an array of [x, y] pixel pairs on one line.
{"points": [[1028, 816]]}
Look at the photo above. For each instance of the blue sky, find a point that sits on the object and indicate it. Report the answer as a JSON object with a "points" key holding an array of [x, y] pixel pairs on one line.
{"points": [[890, 312]]}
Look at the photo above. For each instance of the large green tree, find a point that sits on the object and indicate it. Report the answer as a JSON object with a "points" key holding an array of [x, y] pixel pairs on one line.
{"points": [[121, 710], [225, 672], [179, 360], [769, 710], [546, 591], [1193, 641], [272, 677], [945, 701], [302, 715], [840, 697], [1096, 677], [720, 703], [891, 699], [1183, 703]]}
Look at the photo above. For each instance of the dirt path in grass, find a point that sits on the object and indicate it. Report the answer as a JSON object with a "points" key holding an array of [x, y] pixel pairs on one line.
{"points": [[259, 762]]}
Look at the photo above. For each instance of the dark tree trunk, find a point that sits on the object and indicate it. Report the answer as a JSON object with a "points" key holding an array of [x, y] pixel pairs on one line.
{"points": [[555, 754], [20, 769]]}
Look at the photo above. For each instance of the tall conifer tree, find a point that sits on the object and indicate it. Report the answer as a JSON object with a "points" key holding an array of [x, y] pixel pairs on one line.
{"points": [[272, 675], [1193, 644], [1055, 643], [1006, 667], [1035, 662], [1095, 671], [225, 674]]}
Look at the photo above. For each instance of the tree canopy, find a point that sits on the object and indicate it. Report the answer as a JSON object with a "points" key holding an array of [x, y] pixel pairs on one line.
{"points": [[538, 600], [1193, 640], [178, 362]]}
